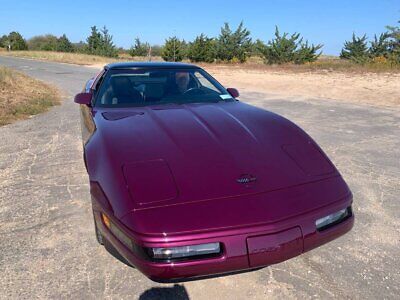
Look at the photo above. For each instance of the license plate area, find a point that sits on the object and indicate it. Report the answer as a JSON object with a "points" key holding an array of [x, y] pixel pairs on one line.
{"points": [[274, 248]]}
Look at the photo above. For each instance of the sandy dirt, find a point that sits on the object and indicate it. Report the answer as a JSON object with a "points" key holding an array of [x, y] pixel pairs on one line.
{"points": [[378, 89]]}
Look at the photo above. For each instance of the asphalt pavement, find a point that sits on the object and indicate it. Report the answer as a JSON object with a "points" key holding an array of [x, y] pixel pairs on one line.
{"points": [[47, 242]]}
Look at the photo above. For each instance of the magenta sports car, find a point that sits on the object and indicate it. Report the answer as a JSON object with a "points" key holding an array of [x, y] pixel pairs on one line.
{"points": [[186, 181]]}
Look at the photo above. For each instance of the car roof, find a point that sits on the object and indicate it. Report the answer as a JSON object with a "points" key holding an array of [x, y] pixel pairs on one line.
{"points": [[163, 65]]}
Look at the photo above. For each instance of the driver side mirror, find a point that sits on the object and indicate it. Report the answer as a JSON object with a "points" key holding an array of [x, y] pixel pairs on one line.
{"points": [[83, 98], [233, 92]]}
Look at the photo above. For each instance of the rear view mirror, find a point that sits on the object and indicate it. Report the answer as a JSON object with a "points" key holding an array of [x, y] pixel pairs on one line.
{"points": [[233, 92], [83, 98]]}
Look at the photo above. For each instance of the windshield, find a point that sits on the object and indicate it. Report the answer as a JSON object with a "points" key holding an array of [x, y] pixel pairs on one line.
{"points": [[124, 88]]}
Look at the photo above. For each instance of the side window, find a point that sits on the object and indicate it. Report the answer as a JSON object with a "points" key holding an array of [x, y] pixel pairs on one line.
{"points": [[99, 81], [96, 85]]}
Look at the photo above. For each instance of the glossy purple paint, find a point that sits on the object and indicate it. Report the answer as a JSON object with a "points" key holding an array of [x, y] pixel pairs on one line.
{"points": [[169, 175], [233, 92], [83, 98]]}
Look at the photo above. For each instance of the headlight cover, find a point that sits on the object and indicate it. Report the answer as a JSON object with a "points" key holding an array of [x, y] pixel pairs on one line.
{"points": [[192, 251], [164, 254], [333, 219]]}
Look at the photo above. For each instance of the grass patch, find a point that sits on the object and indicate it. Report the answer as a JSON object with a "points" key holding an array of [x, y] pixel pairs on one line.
{"points": [[22, 96], [325, 64]]}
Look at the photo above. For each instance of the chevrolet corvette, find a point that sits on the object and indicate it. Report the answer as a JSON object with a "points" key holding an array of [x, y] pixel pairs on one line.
{"points": [[187, 181]]}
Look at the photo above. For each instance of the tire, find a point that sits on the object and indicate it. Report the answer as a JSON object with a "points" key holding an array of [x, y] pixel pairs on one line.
{"points": [[99, 236]]}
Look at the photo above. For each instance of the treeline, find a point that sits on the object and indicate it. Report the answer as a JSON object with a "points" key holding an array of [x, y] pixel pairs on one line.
{"points": [[237, 46], [48, 42], [99, 42], [383, 48], [231, 45]]}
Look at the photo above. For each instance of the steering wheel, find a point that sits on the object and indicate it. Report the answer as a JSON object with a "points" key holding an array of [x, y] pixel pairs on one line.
{"points": [[194, 91]]}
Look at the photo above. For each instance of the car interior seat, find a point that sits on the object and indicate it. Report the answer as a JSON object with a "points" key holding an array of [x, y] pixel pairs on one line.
{"points": [[123, 91]]}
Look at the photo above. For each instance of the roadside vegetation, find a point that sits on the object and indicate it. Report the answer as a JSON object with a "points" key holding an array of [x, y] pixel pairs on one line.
{"points": [[383, 50], [231, 46], [287, 48], [22, 96]]}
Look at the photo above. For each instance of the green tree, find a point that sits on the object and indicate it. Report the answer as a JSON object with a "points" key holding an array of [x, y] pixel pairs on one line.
{"points": [[356, 49], [202, 49], [64, 44], [94, 41], [288, 48], [380, 46], [255, 48], [100, 43], [394, 42], [50, 42], [4, 41], [80, 47], [281, 49], [107, 47], [16, 41], [139, 48], [307, 53], [173, 50], [234, 45]]}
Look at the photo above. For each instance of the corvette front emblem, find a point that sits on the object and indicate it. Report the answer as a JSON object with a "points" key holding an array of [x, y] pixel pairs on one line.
{"points": [[246, 178]]}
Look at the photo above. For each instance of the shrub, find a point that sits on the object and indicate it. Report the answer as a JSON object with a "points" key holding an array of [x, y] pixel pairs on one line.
{"points": [[64, 44], [286, 49], [307, 53], [356, 49], [202, 49], [380, 46], [234, 45], [80, 47], [4, 41], [139, 48], [46, 42], [156, 50], [380, 60], [174, 49]]}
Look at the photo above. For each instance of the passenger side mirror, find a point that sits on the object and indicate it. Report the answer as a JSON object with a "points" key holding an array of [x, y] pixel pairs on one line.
{"points": [[83, 98], [233, 92]]}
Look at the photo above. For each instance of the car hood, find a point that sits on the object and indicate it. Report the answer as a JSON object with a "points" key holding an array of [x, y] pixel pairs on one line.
{"points": [[176, 154]]}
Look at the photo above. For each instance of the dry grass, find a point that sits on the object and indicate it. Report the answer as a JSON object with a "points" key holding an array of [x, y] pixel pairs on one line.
{"points": [[324, 65], [71, 58], [22, 96]]}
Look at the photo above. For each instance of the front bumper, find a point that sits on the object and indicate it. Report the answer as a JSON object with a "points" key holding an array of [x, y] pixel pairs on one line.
{"points": [[242, 248]]}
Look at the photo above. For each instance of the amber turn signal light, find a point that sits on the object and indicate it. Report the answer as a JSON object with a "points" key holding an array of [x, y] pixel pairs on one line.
{"points": [[106, 220]]}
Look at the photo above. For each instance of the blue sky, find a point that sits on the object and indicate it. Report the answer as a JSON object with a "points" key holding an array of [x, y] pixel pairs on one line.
{"points": [[319, 21]]}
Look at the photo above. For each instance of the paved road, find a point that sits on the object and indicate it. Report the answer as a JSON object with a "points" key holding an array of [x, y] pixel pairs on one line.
{"points": [[47, 245]]}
